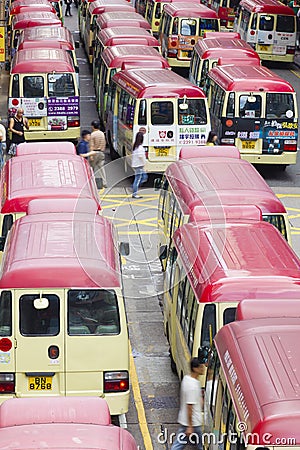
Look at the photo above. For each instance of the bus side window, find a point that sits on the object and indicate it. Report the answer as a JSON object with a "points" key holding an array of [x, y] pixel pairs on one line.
{"points": [[180, 298], [253, 24], [130, 112], [172, 264], [208, 326], [15, 90], [230, 105], [6, 226], [6, 314], [142, 119], [175, 26], [204, 72], [229, 315], [278, 222]]}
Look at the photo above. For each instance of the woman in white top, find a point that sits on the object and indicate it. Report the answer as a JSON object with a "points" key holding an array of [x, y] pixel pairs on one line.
{"points": [[138, 164]]}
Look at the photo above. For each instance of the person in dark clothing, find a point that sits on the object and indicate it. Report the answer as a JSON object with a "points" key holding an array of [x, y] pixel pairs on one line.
{"points": [[83, 146], [68, 7], [17, 123]]}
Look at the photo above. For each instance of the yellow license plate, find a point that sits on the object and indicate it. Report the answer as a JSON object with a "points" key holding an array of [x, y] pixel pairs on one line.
{"points": [[263, 48], [34, 122], [40, 383], [184, 54], [249, 145], [161, 152]]}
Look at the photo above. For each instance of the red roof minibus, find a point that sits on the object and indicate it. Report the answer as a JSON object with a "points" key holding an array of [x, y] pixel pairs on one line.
{"points": [[94, 9], [253, 370], [120, 19], [208, 51], [213, 265], [41, 148], [256, 110], [210, 180], [44, 83], [119, 57], [250, 309], [30, 20], [19, 7], [270, 27], [226, 11], [108, 37], [182, 24], [170, 111], [61, 294], [42, 175], [54, 421]]}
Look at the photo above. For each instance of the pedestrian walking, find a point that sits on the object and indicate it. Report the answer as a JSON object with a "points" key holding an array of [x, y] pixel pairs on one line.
{"points": [[191, 406], [138, 164], [212, 138], [83, 147], [17, 123], [68, 7], [97, 155], [2, 144]]}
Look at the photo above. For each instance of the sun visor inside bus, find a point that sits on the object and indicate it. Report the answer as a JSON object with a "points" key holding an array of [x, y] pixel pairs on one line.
{"points": [[225, 213], [152, 64], [38, 148], [251, 60], [204, 151], [63, 205], [26, 411]]}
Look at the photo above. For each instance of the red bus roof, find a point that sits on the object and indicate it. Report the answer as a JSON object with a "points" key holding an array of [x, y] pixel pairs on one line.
{"points": [[267, 7], [28, 177], [134, 55], [220, 181], [192, 10], [51, 43], [19, 9], [229, 151], [122, 18], [209, 48], [221, 34], [239, 60], [35, 19], [249, 79], [261, 364], [226, 261], [60, 34], [38, 148], [250, 309], [126, 35], [156, 83], [17, 3], [61, 250], [42, 60], [99, 7]]}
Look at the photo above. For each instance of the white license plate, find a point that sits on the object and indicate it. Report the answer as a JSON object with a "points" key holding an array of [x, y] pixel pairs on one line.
{"points": [[279, 50]]}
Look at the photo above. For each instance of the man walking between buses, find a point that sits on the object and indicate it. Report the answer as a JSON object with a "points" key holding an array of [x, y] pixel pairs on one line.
{"points": [[97, 157]]}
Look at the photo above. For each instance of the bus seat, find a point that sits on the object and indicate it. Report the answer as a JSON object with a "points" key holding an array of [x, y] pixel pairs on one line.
{"points": [[79, 329], [107, 329]]}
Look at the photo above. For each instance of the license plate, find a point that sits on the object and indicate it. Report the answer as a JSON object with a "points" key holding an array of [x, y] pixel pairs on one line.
{"points": [[263, 48], [40, 383], [279, 50], [34, 122], [186, 54], [250, 145], [161, 152]]}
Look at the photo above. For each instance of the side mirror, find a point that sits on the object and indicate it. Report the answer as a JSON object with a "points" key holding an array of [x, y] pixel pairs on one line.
{"points": [[157, 184], [163, 250], [2, 243], [124, 248]]}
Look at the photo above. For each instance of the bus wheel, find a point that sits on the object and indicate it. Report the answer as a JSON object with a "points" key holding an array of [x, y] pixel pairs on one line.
{"points": [[282, 167], [173, 364]]}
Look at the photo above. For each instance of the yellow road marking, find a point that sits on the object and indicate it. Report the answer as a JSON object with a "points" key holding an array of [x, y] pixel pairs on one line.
{"points": [[133, 221], [288, 195], [139, 404], [136, 233], [297, 73], [128, 195]]}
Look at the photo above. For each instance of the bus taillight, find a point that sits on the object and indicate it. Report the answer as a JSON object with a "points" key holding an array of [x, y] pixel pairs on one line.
{"points": [[172, 53], [290, 146], [146, 153], [73, 121], [116, 381], [7, 383], [290, 50]]}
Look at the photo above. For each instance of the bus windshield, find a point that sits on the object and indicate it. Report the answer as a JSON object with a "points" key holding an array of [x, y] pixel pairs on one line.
{"points": [[194, 112]]}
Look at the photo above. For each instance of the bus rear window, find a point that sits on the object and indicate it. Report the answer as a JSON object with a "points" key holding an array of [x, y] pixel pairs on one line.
{"points": [[250, 106], [61, 85], [266, 23], [33, 86], [188, 27], [193, 114], [229, 315], [162, 113], [285, 24], [278, 222], [209, 24], [93, 312], [279, 105], [36, 321], [5, 314]]}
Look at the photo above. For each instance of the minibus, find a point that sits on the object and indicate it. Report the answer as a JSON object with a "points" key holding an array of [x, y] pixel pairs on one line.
{"points": [[226, 11], [212, 179], [214, 264], [269, 27], [58, 5], [30, 20], [32, 175], [61, 294], [251, 387], [118, 57], [254, 109], [49, 37], [44, 83], [59, 419], [93, 10], [170, 111], [108, 37], [182, 24], [18, 7], [208, 51]]}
